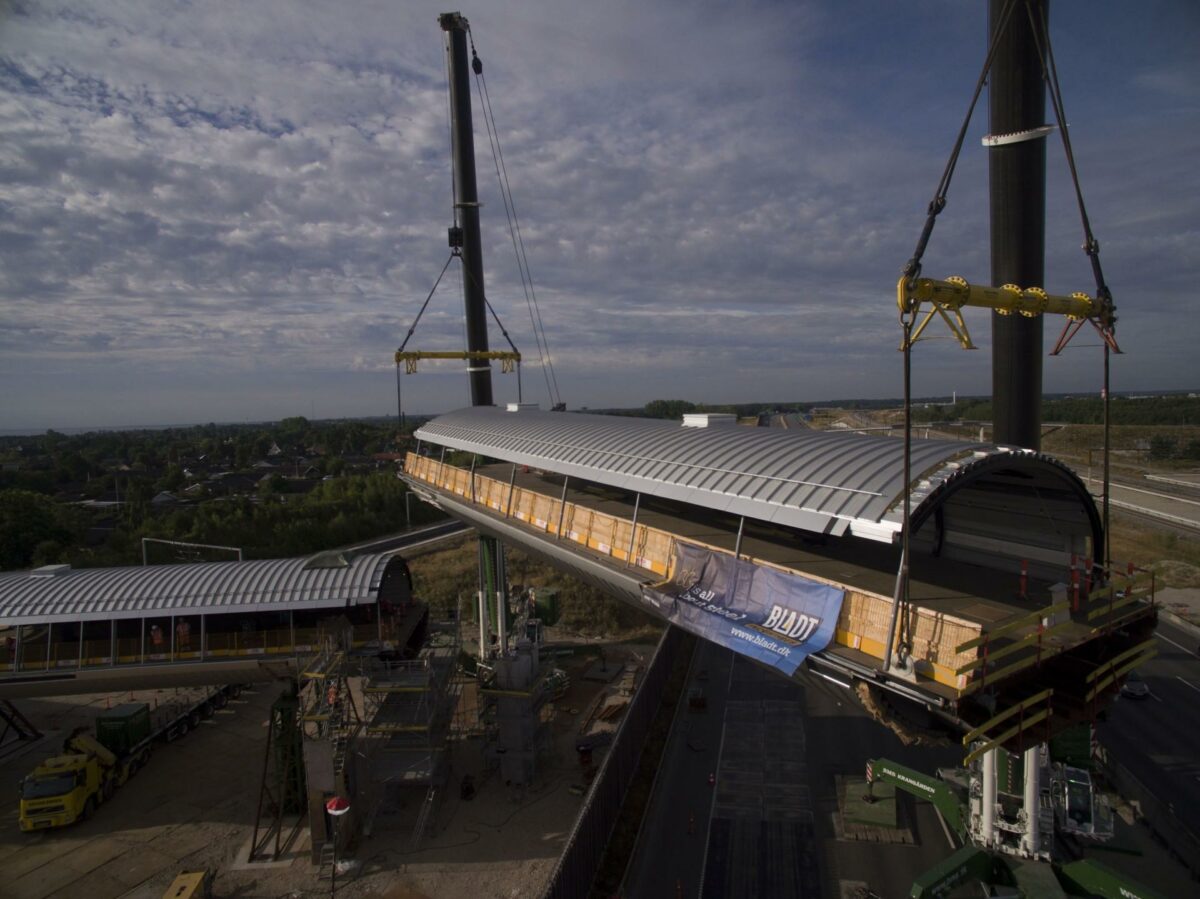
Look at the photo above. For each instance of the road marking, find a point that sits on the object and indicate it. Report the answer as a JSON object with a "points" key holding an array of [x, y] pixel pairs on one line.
{"points": [[1189, 683], [1173, 643], [1156, 696]]}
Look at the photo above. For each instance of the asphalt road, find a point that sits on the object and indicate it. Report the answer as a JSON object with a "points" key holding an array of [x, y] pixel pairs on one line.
{"points": [[670, 851], [1164, 502], [766, 827], [1156, 738]]}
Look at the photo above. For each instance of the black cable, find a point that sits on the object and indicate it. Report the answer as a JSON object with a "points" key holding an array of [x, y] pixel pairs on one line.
{"points": [[913, 267], [514, 231], [1090, 245], [409, 335], [549, 362], [514, 227]]}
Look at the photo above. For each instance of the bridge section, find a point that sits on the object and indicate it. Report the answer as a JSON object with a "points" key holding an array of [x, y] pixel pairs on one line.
{"points": [[1007, 623]]}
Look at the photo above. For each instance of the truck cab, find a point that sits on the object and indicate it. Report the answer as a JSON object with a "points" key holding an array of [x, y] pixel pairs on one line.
{"points": [[61, 790]]}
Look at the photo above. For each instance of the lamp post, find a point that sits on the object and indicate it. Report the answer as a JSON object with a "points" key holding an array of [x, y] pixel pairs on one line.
{"points": [[337, 806]]}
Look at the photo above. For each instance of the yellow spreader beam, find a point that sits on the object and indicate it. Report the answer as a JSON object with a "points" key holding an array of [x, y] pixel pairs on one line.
{"points": [[947, 299], [508, 360]]}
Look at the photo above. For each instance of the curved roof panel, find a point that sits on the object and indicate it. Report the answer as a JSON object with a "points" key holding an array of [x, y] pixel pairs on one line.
{"points": [[59, 593], [823, 481]]}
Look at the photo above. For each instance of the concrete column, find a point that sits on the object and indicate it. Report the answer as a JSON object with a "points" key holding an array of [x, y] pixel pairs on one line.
{"points": [[988, 812], [1033, 783]]}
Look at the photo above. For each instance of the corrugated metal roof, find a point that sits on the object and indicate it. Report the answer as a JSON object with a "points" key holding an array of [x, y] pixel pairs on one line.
{"points": [[268, 585], [822, 481]]}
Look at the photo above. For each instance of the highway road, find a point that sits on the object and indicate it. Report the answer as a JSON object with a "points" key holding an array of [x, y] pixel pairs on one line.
{"points": [[766, 828], [1165, 502], [1156, 738]]}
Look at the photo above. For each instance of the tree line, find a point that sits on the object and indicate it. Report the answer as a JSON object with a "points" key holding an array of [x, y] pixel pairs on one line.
{"points": [[41, 525]]}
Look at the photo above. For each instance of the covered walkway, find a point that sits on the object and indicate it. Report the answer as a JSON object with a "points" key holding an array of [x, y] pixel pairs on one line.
{"points": [[57, 622]]}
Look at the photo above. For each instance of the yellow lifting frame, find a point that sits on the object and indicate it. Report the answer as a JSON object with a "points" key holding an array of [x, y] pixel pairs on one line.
{"points": [[508, 359], [947, 299]]}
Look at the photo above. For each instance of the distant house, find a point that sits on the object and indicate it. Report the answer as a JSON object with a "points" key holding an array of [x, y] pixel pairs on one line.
{"points": [[231, 483], [166, 498], [263, 464], [274, 450]]}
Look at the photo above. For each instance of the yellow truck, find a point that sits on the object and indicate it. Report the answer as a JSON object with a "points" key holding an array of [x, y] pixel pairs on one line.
{"points": [[69, 787]]}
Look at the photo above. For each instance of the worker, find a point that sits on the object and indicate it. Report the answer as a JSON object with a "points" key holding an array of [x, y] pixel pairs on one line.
{"points": [[156, 637], [183, 635]]}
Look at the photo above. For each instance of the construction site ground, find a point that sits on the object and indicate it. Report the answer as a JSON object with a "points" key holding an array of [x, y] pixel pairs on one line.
{"points": [[193, 807]]}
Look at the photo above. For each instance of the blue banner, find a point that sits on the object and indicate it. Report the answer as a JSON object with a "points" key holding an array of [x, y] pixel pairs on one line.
{"points": [[774, 617]]}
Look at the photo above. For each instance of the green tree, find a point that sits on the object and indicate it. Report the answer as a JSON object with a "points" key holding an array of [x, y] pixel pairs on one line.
{"points": [[668, 408], [30, 522]]}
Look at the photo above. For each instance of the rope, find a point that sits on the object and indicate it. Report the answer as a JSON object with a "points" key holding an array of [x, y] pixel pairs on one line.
{"points": [[514, 229], [409, 335], [1090, 245], [913, 267]]}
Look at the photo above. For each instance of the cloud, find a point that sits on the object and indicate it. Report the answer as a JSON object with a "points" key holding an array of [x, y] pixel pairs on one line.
{"points": [[229, 210]]}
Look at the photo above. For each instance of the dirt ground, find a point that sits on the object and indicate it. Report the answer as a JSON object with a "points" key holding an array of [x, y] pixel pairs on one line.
{"points": [[193, 806]]}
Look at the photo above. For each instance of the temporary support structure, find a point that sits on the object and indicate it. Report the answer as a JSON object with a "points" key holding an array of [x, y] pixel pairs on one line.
{"points": [[281, 791], [330, 723]]}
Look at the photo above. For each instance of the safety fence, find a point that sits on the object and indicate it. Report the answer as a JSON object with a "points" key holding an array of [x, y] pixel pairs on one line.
{"points": [[580, 859]]}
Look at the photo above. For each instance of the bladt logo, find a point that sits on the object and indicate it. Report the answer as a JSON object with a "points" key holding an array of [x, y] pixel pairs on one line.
{"points": [[793, 626]]}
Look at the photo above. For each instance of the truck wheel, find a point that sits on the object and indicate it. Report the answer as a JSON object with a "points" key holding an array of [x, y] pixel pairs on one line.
{"points": [[235, 691], [108, 789], [193, 719], [218, 701], [89, 808]]}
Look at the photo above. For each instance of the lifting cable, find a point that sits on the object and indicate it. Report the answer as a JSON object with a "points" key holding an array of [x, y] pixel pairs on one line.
{"points": [[515, 352], [514, 229], [1107, 326], [412, 328], [912, 270]]}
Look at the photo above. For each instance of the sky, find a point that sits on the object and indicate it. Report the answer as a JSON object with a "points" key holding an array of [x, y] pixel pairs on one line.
{"points": [[232, 211]]}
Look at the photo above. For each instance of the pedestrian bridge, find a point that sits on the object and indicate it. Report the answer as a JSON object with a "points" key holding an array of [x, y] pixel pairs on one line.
{"points": [[784, 545], [66, 631]]}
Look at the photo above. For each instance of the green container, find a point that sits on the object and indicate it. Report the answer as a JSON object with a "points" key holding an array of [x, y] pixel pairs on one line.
{"points": [[122, 728]]}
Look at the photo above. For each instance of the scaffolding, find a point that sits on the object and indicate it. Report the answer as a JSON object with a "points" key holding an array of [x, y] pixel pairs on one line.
{"points": [[408, 706], [511, 708], [330, 723]]}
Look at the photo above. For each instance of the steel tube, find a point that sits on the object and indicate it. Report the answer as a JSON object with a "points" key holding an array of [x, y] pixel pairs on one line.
{"points": [[1017, 187]]}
